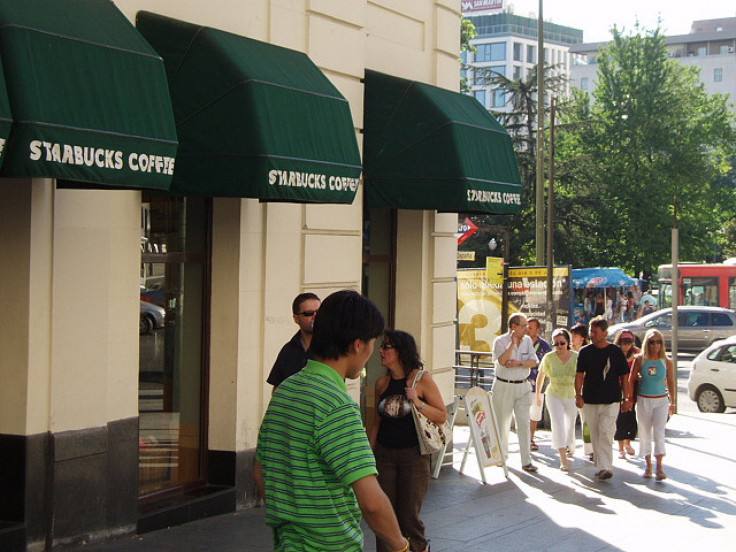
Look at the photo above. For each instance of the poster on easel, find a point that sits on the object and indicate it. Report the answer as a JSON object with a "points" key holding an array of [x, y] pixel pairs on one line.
{"points": [[483, 428]]}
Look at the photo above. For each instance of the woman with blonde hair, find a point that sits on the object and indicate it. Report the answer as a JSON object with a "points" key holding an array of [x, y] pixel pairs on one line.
{"points": [[655, 398]]}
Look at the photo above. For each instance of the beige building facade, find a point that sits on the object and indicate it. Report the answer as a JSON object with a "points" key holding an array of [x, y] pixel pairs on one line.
{"points": [[79, 410]]}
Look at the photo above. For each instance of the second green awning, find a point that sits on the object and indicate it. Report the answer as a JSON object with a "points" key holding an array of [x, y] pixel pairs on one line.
{"points": [[254, 120], [88, 96], [430, 148]]}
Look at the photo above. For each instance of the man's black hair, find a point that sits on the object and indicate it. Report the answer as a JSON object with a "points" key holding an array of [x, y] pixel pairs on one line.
{"points": [[296, 305], [344, 317]]}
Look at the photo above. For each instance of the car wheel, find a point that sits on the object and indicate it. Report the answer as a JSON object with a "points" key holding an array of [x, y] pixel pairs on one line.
{"points": [[146, 325], [709, 399]]}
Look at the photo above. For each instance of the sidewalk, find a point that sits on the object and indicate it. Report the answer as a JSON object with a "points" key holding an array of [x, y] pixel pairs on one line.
{"points": [[550, 510]]}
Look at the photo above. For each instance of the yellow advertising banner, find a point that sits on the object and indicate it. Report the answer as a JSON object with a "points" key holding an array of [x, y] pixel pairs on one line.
{"points": [[494, 270], [479, 308]]}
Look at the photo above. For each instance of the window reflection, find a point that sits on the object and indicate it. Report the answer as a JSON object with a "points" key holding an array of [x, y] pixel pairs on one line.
{"points": [[173, 238]]}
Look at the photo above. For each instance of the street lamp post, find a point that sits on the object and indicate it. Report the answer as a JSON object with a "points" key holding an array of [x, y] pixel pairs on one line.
{"points": [[540, 138], [503, 231]]}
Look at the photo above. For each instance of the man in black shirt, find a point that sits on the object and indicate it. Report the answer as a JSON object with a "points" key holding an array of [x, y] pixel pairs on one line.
{"points": [[294, 355], [598, 392]]}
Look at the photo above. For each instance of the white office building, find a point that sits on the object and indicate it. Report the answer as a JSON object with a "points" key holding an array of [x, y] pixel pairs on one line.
{"points": [[507, 44], [710, 45]]}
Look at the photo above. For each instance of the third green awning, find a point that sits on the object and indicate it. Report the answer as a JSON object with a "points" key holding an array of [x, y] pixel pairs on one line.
{"points": [[430, 148], [88, 96], [253, 119]]}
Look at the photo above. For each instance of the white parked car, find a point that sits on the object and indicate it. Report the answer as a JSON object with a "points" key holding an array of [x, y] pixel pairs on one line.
{"points": [[712, 382]]}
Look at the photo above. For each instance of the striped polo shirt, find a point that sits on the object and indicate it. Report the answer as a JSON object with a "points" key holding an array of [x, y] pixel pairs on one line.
{"points": [[313, 447]]}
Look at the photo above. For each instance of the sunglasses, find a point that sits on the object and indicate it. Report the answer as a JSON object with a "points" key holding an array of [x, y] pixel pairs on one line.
{"points": [[560, 343], [308, 314], [626, 340], [655, 341], [385, 346]]}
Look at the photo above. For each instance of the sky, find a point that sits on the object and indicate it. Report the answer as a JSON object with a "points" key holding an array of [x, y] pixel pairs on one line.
{"points": [[596, 17]]}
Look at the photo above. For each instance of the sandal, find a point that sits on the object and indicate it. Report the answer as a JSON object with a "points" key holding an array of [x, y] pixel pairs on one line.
{"points": [[647, 473], [661, 475], [622, 455], [533, 446], [630, 450]]}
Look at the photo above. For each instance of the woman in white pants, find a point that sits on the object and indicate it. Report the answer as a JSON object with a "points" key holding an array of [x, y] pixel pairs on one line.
{"points": [[560, 367], [655, 398]]}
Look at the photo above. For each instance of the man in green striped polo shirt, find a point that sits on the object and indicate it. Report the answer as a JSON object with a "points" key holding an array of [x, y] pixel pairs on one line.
{"points": [[313, 463]]}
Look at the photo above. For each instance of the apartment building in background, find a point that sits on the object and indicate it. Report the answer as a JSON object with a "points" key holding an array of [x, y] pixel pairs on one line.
{"points": [[710, 46]]}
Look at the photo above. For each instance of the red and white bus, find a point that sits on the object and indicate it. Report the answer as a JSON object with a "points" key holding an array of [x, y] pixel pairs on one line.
{"points": [[700, 284]]}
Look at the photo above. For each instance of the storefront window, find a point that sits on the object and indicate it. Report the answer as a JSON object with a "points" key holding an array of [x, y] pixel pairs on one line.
{"points": [[173, 285]]}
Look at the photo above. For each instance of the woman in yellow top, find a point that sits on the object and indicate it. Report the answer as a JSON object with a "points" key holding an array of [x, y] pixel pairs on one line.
{"points": [[560, 367]]}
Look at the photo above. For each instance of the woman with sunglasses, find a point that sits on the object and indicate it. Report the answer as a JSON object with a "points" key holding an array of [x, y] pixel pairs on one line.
{"points": [[560, 367], [403, 472], [655, 398], [626, 422]]}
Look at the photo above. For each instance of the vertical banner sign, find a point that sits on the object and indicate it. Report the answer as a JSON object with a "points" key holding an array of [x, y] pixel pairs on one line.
{"points": [[466, 229], [483, 427], [479, 302], [527, 291]]}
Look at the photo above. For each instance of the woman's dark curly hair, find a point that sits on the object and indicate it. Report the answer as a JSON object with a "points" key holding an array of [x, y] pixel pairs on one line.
{"points": [[406, 348]]}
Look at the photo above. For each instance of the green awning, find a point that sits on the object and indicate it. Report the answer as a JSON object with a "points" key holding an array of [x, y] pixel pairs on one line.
{"points": [[6, 119], [88, 95], [253, 120], [430, 148]]}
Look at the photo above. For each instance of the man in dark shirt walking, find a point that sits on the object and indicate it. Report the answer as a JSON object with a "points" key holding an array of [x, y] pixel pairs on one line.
{"points": [[598, 392], [294, 354]]}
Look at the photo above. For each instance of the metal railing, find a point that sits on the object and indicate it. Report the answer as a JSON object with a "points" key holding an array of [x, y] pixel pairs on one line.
{"points": [[473, 368]]}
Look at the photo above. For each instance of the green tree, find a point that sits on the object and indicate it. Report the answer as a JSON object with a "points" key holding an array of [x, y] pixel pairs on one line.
{"points": [[651, 134], [520, 120], [467, 33]]}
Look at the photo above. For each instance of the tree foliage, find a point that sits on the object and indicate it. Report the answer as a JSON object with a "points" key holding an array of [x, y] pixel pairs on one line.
{"points": [[521, 123], [652, 134], [467, 33]]}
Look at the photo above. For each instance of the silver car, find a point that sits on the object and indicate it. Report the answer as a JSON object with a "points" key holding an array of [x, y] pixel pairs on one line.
{"points": [[152, 318], [698, 327]]}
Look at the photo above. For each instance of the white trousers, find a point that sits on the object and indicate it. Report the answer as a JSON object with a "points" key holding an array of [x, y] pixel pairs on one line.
{"points": [[651, 415], [513, 399], [601, 419], [587, 447], [562, 413]]}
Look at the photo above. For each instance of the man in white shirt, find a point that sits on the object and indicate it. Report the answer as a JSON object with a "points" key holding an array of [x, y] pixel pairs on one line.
{"points": [[514, 356]]}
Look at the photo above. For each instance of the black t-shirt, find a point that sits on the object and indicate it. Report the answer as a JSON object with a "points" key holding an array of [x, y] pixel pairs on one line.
{"points": [[397, 429], [602, 368], [291, 359]]}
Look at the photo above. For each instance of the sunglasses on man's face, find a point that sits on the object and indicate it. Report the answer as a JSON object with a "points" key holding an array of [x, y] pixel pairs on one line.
{"points": [[308, 314], [385, 346]]}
